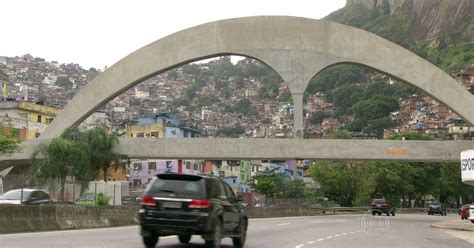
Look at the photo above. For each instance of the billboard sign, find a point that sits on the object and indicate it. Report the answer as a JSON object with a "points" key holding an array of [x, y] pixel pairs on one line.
{"points": [[467, 167]]}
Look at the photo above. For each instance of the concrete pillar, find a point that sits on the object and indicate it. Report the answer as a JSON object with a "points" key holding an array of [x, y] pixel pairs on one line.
{"points": [[298, 125]]}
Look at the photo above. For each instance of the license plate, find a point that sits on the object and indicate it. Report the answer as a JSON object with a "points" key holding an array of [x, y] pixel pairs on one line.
{"points": [[379, 205], [172, 204]]}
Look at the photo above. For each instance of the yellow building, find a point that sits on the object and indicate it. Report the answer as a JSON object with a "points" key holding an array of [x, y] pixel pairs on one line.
{"points": [[146, 131], [30, 118]]}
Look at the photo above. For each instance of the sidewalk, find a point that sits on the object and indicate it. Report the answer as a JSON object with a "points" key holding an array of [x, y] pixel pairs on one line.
{"points": [[461, 225]]}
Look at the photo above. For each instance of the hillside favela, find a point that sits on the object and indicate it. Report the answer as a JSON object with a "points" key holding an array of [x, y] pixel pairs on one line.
{"points": [[232, 99]]}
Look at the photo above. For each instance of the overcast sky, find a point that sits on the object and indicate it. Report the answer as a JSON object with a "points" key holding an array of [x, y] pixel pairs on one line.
{"points": [[98, 33]]}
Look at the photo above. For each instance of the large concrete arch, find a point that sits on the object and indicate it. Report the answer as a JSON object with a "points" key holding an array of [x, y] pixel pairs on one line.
{"points": [[297, 48]]}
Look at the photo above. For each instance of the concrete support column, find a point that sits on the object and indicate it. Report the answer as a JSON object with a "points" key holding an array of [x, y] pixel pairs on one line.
{"points": [[298, 125]]}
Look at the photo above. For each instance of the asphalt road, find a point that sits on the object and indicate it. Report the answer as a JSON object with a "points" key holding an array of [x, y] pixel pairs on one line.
{"points": [[407, 230]]}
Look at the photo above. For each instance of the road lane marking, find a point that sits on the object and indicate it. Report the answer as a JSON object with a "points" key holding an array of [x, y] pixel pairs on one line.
{"points": [[337, 235], [310, 242], [344, 234], [316, 221], [283, 224], [320, 239], [329, 237], [298, 246]]}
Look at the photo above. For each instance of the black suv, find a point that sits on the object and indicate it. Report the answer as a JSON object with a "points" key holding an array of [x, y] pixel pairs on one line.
{"points": [[381, 206], [186, 205], [436, 208]]}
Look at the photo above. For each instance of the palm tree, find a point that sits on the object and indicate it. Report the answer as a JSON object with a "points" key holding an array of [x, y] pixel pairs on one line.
{"points": [[59, 159], [101, 144]]}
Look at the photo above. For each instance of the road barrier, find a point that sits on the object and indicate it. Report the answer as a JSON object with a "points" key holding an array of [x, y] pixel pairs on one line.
{"points": [[15, 218]]}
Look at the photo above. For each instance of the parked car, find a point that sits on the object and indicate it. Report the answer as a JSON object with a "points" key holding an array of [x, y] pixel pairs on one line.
{"points": [[30, 197], [436, 208], [465, 212], [380, 206], [186, 205]]}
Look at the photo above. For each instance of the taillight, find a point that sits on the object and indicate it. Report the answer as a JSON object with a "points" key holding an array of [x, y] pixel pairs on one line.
{"points": [[385, 205], [148, 200], [199, 203]]}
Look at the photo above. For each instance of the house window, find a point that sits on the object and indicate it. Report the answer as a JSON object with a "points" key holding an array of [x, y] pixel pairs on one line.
{"points": [[155, 134], [137, 166], [137, 182], [40, 118], [188, 165], [196, 166], [152, 165], [253, 168], [140, 135]]}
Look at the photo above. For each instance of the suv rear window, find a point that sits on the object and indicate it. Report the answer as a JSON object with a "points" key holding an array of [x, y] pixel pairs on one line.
{"points": [[379, 201], [177, 185]]}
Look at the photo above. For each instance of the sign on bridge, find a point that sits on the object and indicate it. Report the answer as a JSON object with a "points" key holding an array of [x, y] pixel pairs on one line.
{"points": [[467, 167]]}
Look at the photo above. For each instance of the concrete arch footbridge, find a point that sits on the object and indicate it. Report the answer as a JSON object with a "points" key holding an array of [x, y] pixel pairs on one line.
{"points": [[297, 49]]}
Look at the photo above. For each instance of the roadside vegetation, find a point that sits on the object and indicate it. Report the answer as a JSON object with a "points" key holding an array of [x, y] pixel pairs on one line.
{"points": [[77, 155]]}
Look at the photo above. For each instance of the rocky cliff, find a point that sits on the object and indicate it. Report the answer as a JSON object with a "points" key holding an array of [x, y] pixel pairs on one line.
{"points": [[431, 17]]}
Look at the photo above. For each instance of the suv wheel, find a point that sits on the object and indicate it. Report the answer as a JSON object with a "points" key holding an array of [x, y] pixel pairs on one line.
{"points": [[150, 241], [240, 240], [215, 242], [184, 238]]}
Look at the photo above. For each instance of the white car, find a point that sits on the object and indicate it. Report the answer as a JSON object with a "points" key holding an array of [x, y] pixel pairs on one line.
{"points": [[471, 213], [30, 197]]}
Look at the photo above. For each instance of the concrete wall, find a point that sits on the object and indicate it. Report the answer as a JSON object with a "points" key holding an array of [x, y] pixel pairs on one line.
{"points": [[47, 218]]}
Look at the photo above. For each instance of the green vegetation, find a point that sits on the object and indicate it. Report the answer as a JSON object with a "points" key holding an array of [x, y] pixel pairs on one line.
{"points": [[55, 161], [356, 183], [230, 132], [76, 154], [448, 51], [9, 138], [273, 185], [318, 117], [102, 200]]}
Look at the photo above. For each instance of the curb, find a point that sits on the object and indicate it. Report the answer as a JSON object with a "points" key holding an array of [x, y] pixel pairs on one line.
{"points": [[452, 228]]}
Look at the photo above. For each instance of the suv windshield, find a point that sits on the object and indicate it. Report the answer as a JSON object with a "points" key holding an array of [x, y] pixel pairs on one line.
{"points": [[178, 185]]}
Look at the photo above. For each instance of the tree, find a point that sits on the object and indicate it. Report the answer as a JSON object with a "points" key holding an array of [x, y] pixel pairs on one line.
{"points": [[9, 141], [101, 144], [57, 160], [268, 183], [377, 107], [318, 117], [378, 126], [339, 181]]}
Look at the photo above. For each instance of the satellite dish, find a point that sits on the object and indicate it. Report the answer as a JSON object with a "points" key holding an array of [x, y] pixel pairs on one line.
{"points": [[5, 172]]}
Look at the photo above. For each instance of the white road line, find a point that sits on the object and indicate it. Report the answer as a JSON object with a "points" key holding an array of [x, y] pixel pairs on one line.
{"points": [[337, 235], [329, 237], [320, 239], [283, 224], [344, 234], [298, 246], [316, 221], [310, 242]]}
